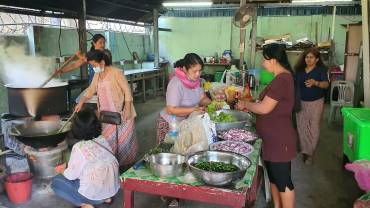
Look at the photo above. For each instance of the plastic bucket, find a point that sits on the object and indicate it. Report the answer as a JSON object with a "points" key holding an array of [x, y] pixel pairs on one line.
{"points": [[18, 186]]}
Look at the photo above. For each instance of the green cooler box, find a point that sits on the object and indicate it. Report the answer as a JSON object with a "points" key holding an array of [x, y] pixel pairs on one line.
{"points": [[356, 133]]}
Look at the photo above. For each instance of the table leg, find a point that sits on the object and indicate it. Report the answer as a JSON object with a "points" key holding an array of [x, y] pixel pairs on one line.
{"points": [[163, 84], [155, 86], [144, 93], [128, 198]]}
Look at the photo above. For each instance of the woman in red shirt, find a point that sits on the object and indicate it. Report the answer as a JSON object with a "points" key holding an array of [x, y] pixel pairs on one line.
{"points": [[274, 124]]}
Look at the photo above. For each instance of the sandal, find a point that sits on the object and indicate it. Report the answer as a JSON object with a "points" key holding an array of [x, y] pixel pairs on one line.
{"points": [[108, 201]]}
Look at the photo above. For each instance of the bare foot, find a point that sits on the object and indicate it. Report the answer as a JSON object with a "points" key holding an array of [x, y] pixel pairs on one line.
{"points": [[87, 206]]}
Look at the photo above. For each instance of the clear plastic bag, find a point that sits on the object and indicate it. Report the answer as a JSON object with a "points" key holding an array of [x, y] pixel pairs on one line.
{"points": [[195, 134]]}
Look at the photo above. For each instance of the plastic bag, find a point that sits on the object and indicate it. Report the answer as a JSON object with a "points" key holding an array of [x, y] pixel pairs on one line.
{"points": [[209, 128], [361, 168], [363, 201], [195, 134]]}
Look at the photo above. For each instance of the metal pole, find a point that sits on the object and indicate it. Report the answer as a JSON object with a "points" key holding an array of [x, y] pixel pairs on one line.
{"points": [[333, 23], [156, 38], [365, 50], [253, 38], [82, 38], [31, 40], [242, 40]]}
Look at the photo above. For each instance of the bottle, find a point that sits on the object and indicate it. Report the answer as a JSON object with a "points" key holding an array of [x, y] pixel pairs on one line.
{"points": [[247, 93], [173, 132], [251, 81]]}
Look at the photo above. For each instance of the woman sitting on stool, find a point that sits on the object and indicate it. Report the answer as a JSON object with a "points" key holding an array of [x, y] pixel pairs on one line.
{"points": [[91, 177]]}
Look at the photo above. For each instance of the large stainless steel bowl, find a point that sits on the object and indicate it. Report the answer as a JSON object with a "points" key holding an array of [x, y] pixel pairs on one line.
{"points": [[216, 178], [243, 119], [166, 165]]}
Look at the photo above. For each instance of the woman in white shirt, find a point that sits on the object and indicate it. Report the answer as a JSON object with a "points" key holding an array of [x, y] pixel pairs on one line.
{"points": [[91, 177]]}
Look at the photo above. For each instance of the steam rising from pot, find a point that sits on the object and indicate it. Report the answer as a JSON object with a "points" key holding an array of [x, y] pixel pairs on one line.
{"points": [[24, 71]]}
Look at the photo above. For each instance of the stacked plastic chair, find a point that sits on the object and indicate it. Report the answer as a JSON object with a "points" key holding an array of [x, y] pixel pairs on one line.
{"points": [[346, 92]]}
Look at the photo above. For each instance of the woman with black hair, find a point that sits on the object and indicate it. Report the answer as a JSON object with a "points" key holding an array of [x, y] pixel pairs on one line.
{"points": [[97, 43], [114, 95], [184, 94], [274, 124], [91, 177], [312, 79]]}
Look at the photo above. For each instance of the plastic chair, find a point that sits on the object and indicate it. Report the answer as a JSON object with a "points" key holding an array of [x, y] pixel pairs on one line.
{"points": [[345, 97]]}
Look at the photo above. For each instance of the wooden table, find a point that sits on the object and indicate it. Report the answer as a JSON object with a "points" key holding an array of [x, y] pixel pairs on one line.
{"points": [[227, 197], [142, 180], [141, 75]]}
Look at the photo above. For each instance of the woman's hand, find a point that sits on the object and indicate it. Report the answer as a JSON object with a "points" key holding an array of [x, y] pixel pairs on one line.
{"points": [[126, 114], [78, 107], [81, 56], [199, 109], [310, 83], [241, 105], [58, 72]]}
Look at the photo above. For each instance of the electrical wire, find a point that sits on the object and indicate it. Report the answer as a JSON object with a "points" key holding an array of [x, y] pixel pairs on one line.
{"points": [[128, 48]]}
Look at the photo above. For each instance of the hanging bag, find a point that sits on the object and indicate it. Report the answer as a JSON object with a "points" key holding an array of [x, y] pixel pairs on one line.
{"points": [[110, 117]]}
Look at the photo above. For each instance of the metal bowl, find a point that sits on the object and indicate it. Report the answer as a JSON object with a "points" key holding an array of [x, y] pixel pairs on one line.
{"points": [[216, 178], [243, 119], [166, 165]]}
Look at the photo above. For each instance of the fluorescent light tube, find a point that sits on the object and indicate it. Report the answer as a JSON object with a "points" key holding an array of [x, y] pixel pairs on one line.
{"points": [[188, 4], [319, 1]]}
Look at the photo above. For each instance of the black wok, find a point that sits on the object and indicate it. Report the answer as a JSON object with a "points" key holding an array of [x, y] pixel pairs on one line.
{"points": [[40, 134]]}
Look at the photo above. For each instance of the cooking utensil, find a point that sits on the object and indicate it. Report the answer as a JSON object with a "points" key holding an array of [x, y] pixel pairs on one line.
{"points": [[37, 101], [54, 74], [218, 178], [243, 119], [166, 165], [40, 134], [67, 122]]}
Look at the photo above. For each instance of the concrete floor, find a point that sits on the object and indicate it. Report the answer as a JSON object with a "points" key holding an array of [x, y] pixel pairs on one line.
{"points": [[323, 185]]}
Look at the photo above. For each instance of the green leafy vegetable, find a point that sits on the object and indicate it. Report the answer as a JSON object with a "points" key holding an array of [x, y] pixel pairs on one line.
{"points": [[219, 167], [222, 117], [155, 151]]}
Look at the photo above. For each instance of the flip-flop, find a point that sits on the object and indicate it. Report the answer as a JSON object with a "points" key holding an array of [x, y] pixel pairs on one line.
{"points": [[110, 202]]}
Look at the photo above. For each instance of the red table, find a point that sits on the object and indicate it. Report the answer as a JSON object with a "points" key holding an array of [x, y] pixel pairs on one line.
{"points": [[233, 198]]}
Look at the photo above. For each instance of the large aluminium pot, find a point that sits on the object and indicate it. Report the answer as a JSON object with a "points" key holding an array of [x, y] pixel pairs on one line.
{"points": [[37, 101], [40, 134]]}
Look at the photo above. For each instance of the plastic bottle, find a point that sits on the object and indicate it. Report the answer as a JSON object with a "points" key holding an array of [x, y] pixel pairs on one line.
{"points": [[173, 132]]}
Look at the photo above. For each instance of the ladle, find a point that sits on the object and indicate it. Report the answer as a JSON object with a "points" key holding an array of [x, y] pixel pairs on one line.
{"points": [[54, 74]]}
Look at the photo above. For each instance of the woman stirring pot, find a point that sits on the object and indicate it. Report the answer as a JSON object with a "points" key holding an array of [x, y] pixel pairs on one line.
{"points": [[114, 95]]}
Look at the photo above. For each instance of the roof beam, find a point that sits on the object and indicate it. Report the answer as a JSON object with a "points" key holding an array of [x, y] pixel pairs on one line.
{"points": [[122, 6]]}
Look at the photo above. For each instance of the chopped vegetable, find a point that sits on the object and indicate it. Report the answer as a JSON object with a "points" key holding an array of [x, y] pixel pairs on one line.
{"points": [[211, 108], [222, 117], [219, 167], [155, 151], [239, 135], [231, 146]]}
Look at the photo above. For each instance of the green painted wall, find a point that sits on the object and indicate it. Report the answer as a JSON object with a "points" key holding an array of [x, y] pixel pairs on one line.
{"points": [[206, 36], [69, 43]]}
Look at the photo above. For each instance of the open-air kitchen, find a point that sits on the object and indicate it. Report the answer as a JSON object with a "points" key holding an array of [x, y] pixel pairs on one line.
{"points": [[194, 104]]}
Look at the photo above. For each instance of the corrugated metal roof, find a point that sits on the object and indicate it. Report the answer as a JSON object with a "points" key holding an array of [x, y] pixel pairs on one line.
{"points": [[129, 10]]}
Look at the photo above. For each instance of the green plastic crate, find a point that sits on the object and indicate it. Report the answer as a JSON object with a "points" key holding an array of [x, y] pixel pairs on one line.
{"points": [[356, 133]]}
